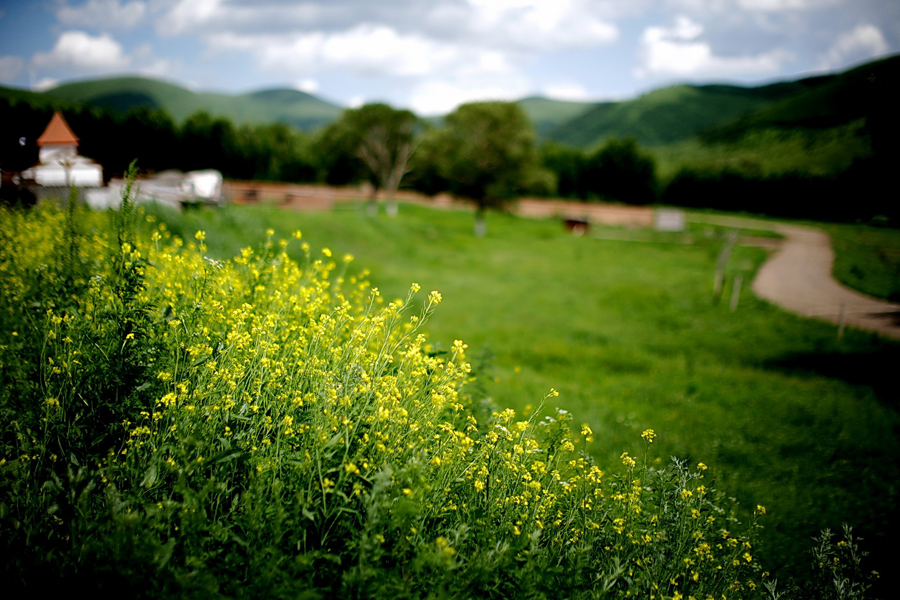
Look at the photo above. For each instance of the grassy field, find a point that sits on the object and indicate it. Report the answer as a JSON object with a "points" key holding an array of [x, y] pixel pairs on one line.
{"points": [[785, 415], [867, 259]]}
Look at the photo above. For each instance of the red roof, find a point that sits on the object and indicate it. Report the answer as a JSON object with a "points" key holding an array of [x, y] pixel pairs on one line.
{"points": [[57, 133]]}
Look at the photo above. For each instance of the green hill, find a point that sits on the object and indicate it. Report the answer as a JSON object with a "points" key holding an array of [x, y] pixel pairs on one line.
{"points": [[868, 91], [825, 127], [294, 107], [36, 99], [291, 107], [669, 114], [547, 115], [725, 113]]}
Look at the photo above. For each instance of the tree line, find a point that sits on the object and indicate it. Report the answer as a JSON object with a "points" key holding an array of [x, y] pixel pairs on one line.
{"points": [[486, 152], [362, 145], [273, 152]]}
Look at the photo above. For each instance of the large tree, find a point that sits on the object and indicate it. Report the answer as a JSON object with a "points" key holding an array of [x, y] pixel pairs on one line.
{"points": [[489, 154], [383, 139]]}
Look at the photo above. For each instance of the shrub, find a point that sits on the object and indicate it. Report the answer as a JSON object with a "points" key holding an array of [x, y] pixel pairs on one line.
{"points": [[179, 426]]}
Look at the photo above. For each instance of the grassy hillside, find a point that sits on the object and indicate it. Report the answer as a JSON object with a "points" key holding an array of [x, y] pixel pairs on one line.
{"points": [[821, 128], [784, 414], [867, 259], [547, 114], [292, 107], [723, 114], [824, 102], [34, 98], [667, 115]]}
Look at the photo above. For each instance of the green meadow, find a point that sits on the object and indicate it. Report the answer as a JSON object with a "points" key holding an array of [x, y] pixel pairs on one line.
{"points": [[628, 330], [867, 259]]}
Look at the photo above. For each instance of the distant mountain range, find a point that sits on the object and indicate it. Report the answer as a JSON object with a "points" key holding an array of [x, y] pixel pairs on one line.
{"points": [[291, 107], [662, 117]]}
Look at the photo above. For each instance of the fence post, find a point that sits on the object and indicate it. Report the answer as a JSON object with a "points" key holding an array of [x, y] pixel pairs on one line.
{"points": [[736, 293], [842, 320], [722, 261]]}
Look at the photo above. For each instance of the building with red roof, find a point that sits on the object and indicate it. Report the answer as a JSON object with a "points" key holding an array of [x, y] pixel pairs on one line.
{"points": [[59, 163]]}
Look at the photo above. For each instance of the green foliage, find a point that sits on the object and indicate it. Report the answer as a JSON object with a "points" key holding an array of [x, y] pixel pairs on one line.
{"points": [[867, 258], [208, 142], [784, 413], [570, 167], [426, 172], [378, 136], [838, 571], [791, 194], [284, 431], [489, 151], [772, 152], [664, 116], [338, 162], [867, 92], [275, 153], [547, 114], [619, 171], [266, 152]]}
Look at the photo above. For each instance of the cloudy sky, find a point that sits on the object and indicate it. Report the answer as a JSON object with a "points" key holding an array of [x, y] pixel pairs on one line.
{"points": [[431, 55]]}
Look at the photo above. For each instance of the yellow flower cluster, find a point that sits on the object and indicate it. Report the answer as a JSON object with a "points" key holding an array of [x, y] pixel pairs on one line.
{"points": [[299, 377]]}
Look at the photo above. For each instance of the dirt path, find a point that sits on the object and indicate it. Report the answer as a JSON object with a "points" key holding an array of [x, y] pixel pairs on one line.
{"points": [[798, 278]]}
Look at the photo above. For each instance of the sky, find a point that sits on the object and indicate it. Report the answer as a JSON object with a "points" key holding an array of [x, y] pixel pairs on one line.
{"points": [[432, 55]]}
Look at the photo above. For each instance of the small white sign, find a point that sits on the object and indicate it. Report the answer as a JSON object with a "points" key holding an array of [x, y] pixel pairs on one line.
{"points": [[669, 219]]}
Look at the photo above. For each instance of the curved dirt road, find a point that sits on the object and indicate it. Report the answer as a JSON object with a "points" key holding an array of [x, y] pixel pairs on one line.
{"points": [[798, 278]]}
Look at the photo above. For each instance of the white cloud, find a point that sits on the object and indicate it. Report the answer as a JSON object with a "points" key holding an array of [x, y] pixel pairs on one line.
{"points": [[566, 91], [864, 41], [404, 38], [45, 84], [440, 96], [365, 50], [678, 51], [80, 51], [785, 5], [102, 14], [156, 68], [380, 49], [752, 6], [700, 6], [541, 24], [530, 24], [190, 15], [10, 67], [448, 51], [310, 86]]}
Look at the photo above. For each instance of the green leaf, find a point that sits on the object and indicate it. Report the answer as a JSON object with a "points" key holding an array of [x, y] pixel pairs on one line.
{"points": [[150, 476]]}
